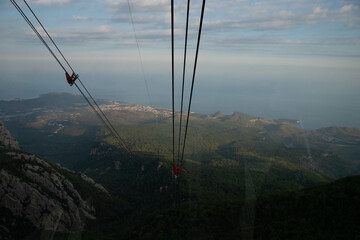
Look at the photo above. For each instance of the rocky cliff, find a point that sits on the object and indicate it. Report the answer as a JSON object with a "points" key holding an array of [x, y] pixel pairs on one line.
{"points": [[36, 196], [6, 139]]}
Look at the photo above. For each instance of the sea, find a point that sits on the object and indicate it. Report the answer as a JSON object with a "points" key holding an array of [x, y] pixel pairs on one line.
{"points": [[316, 103]]}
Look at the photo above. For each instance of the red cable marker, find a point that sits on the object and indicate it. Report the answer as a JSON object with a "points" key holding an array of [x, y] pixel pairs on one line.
{"points": [[177, 170], [71, 79]]}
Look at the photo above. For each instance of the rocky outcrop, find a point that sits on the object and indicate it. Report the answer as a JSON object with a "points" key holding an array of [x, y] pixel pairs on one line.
{"points": [[6, 139], [42, 196], [38, 193]]}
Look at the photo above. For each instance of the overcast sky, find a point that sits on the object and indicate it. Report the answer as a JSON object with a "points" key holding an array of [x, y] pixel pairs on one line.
{"points": [[243, 41]]}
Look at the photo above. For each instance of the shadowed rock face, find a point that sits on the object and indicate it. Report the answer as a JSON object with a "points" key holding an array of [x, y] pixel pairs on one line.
{"points": [[35, 192]]}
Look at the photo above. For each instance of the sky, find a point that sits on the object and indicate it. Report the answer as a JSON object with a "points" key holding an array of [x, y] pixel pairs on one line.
{"points": [[261, 57]]}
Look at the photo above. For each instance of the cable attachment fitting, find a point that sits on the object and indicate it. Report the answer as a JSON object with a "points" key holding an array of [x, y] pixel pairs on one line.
{"points": [[177, 170], [71, 79]]}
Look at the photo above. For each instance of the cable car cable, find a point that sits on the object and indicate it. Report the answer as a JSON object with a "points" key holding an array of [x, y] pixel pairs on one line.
{"points": [[172, 73], [107, 122], [193, 78], [183, 80], [48, 35], [36, 32], [138, 48], [73, 71], [110, 130]]}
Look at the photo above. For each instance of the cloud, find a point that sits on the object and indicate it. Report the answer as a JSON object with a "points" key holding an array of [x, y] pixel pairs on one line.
{"points": [[319, 10], [279, 19], [74, 35], [343, 47], [82, 18], [350, 15], [237, 41], [139, 5], [142, 19], [228, 24], [105, 35], [348, 8], [145, 13], [51, 2]]}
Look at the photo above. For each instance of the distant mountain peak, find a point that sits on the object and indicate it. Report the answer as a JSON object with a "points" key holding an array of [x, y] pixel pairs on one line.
{"points": [[57, 94], [218, 115]]}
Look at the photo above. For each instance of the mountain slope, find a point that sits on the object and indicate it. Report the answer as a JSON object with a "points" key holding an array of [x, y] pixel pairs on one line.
{"points": [[37, 198], [330, 211]]}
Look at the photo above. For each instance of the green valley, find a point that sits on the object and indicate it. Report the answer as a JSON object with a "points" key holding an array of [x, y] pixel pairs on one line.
{"points": [[235, 167]]}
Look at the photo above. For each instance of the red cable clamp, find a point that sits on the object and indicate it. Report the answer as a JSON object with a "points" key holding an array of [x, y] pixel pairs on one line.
{"points": [[177, 170], [71, 79]]}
